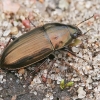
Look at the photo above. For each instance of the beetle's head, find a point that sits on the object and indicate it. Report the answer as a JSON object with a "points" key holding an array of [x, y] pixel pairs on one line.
{"points": [[74, 31]]}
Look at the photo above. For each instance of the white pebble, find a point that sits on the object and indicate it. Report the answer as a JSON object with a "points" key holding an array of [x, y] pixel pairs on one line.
{"points": [[10, 79], [80, 5], [90, 87], [52, 77], [6, 33], [55, 64], [4, 80], [59, 78], [88, 4], [37, 80], [24, 86], [15, 23], [35, 93], [1, 77], [74, 49], [22, 17], [47, 95], [89, 80], [3, 16], [81, 93], [5, 23], [76, 79], [58, 82], [51, 97], [45, 71], [63, 4], [45, 99]]}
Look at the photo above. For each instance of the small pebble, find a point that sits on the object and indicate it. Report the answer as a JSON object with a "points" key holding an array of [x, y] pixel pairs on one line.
{"points": [[74, 49], [55, 64], [88, 4], [1, 77], [24, 86], [21, 71], [45, 71], [6, 33], [63, 4], [37, 80], [5, 23], [26, 23], [35, 93], [14, 31], [15, 23], [3, 16], [89, 80], [10, 79], [81, 93], [22, 17]]}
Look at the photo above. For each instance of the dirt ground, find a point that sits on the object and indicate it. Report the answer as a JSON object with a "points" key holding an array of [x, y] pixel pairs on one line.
{"points": [[17, 17]]}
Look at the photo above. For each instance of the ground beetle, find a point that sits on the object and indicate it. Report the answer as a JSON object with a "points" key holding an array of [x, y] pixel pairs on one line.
{"points": [[38, 44]]}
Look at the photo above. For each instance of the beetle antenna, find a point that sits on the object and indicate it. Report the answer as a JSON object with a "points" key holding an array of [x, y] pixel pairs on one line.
{"points": [[87, 31], [85, 20]]}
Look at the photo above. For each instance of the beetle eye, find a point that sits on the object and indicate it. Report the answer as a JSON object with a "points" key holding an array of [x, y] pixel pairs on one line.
{"points": [[74, 36]]}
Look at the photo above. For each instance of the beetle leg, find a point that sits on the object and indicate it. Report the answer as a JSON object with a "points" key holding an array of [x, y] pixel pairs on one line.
{"points": [[66, 49], [31, 22], [37, 69], [13, 38]]}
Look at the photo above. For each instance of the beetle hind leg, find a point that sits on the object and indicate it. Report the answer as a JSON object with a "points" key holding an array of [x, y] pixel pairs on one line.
{"points": [[11, 38]]}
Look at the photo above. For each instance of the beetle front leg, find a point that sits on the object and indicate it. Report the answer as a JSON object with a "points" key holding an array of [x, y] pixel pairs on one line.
{"points": [[66, 49]]}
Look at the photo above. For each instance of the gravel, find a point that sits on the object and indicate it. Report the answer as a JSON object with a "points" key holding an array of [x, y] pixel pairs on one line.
{"points": [[40, 12]]}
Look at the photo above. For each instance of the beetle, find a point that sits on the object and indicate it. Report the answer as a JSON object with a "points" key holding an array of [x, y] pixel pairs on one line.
{"points": [[38, 44]]}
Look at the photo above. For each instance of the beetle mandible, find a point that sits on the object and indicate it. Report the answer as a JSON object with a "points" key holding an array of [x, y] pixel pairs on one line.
{"points": [[38, 44]]}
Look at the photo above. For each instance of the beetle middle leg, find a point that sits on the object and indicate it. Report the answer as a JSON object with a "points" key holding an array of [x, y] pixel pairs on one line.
{"points": [[33, 72], [51, 57], [38, 66]]}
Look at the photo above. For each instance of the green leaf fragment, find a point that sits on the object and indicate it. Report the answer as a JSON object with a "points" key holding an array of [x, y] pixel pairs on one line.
{"points": [[62, 84], [69, 84], [76, 42]]}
